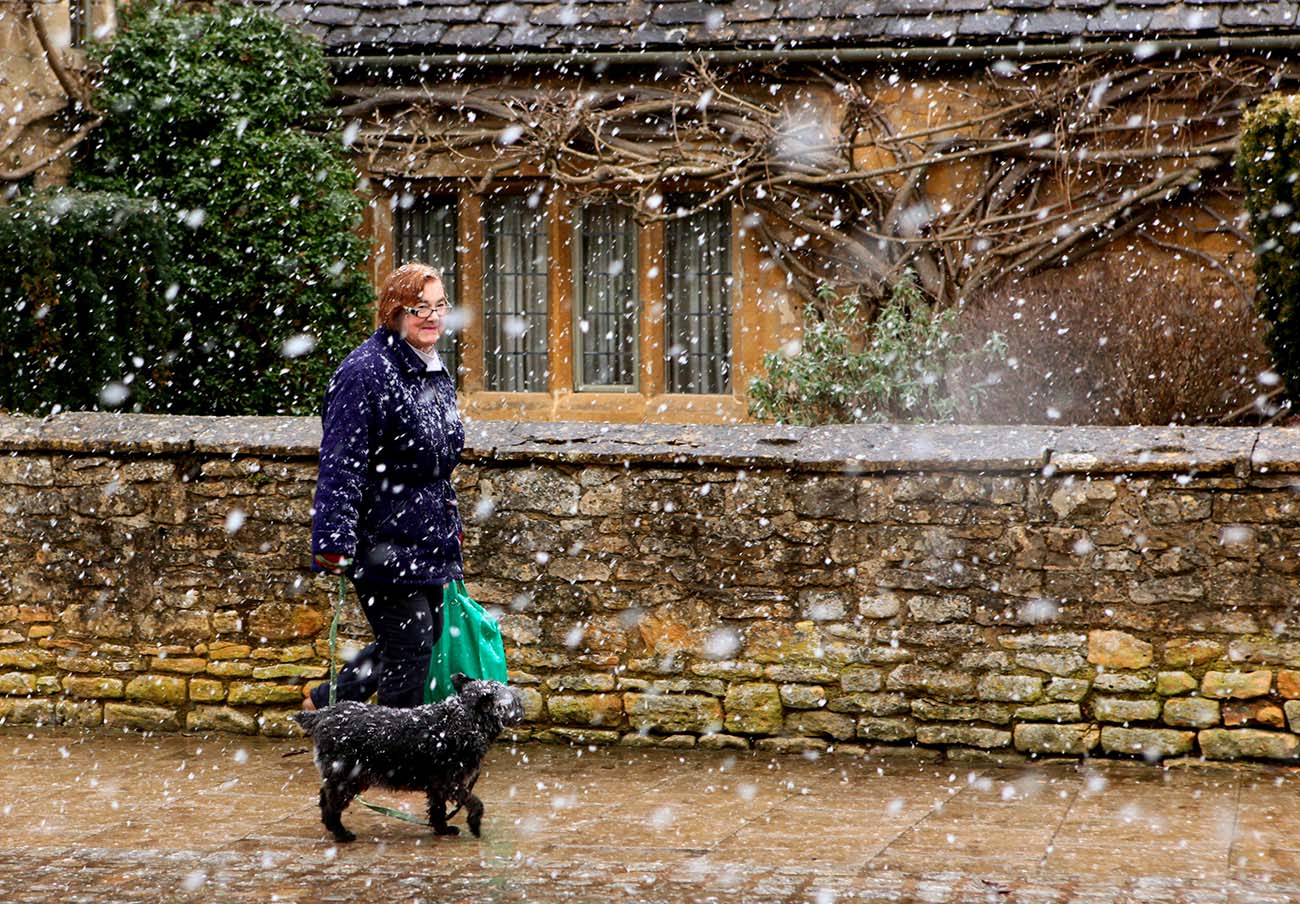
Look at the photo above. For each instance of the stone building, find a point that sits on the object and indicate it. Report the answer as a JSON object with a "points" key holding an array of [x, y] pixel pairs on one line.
{"points": [[633, 201]]}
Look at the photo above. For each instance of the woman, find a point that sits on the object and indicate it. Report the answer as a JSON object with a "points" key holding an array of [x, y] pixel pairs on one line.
{"points": [[385, 513]]}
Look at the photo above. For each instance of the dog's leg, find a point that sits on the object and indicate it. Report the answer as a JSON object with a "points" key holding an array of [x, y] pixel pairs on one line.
{"points": [[473, 811], [334, 799], [438, 813]]}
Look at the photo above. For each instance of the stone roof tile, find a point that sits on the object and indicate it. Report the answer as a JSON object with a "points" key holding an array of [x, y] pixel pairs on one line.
{"points": [[404, 26]]}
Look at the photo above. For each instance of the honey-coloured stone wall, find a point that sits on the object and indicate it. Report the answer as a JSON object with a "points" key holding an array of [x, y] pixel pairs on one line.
{"points": [[977, 593]]}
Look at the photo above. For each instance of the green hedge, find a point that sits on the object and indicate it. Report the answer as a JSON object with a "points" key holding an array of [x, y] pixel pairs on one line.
{"points": [[219, 116], [82, 303], [1268, 165]]}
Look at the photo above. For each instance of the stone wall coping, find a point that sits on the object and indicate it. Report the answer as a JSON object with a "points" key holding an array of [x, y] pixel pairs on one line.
{"points": [[1236, 451]]}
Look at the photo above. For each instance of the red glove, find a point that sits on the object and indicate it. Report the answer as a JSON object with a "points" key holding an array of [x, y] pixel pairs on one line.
{"points": [[333, 562]]}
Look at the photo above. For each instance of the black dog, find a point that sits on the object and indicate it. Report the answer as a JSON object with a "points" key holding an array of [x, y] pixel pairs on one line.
{"points": [[436, 748]]}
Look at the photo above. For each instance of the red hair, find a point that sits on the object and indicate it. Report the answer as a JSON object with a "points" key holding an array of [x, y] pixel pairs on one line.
{"points": [[404, 288]]}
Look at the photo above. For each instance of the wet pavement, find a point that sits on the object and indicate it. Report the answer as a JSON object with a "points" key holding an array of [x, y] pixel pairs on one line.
{"points": [[121, 817]]}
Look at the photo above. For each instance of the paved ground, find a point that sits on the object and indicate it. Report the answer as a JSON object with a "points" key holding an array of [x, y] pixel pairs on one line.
{"points": [[125, 818]]}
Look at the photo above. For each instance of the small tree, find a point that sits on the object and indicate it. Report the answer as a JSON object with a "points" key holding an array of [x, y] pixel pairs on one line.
{"points": [[1268, 164], [208, 113], [851, 370]]}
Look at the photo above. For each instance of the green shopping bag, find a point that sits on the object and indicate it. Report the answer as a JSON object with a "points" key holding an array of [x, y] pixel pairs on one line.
{"points": [[470, 643]]}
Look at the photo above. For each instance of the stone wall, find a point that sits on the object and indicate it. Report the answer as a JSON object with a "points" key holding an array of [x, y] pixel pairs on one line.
{"points": [[994, 592]]}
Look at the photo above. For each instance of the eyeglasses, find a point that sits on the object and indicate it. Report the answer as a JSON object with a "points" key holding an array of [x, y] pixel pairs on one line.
{"points": [[424, 311]]}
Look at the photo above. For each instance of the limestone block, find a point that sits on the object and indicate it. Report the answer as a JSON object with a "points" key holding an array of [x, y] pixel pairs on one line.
{"points": [[144, 718], [1292, 709], [1260, 712], [17, 683], [1010, 688], [1049, 712], [601, 710], [280, 620], [1071, 689], [206, 690], [1149, 743], [936, 682], [803, 696], [937, 711], [962, 735], [1191, 651], [671, 713], [251, 692], [28, 659], [290, 670], [1243, 743], [823, 605], [26, 711], [870, 704], [163, 689], [727, 670], [79, 713], [754, 708], [1288, 683], [1123, 683], [1118, 650], [886, 729], [94, 688], [228, 669], [185, 665], [880, 605], [939, 609], [1239, 685], [1079, 738], [1169, 684], [722, 742], [855, 679], [1191, 712], [220, 718], [820, 722], [805, 674], [791, 745], [1061, 663], [1115, 709]]}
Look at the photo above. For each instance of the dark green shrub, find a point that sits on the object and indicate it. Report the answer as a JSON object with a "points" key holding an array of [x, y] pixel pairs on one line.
{"points": [[82, 303], [850, 369], [209, 113], [1268, 164]]}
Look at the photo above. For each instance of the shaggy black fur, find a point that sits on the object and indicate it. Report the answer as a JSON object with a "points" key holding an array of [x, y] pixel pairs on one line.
{"points": [[436, 748]]}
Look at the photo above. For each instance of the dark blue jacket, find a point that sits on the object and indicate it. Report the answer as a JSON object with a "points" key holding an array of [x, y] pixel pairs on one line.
{"points": [[392, 436]]}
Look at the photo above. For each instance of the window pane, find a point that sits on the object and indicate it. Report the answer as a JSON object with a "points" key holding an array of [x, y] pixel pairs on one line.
{"points": [[607, 303], [514, 296], [425, 232], [698, 295]]}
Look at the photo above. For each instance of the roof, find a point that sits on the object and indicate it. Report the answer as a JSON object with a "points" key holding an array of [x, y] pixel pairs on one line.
{"points": [[416, 26]]}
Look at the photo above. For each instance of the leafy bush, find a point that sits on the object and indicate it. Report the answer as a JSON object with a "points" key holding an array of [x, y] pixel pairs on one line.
{"points": [[850, 369], [79, 303], [208, 113], [1117, 341], [1268, 164]]}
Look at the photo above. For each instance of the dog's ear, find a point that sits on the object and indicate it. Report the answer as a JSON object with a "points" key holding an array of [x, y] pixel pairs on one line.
{"points": [[459, 680]]}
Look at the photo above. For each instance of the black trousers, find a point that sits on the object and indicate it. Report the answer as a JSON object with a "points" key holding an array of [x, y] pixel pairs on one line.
{"points": [[407, 622]]}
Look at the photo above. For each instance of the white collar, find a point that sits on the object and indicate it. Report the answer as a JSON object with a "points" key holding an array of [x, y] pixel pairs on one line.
{"points": [[430, 358]]}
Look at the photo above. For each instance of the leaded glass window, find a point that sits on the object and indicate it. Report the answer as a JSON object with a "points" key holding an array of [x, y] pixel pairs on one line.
{"points": [[606, 298], [514, 295], [698, 283]]}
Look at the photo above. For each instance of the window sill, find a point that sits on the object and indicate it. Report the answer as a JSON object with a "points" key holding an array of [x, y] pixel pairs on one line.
{"points": [[620, 407]]}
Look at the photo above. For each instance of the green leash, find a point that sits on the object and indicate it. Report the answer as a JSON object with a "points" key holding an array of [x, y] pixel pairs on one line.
{"points": [[334, 690]]}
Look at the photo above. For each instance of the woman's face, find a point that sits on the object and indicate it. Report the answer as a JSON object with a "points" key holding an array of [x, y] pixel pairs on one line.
{"points": [[423, 332]]}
